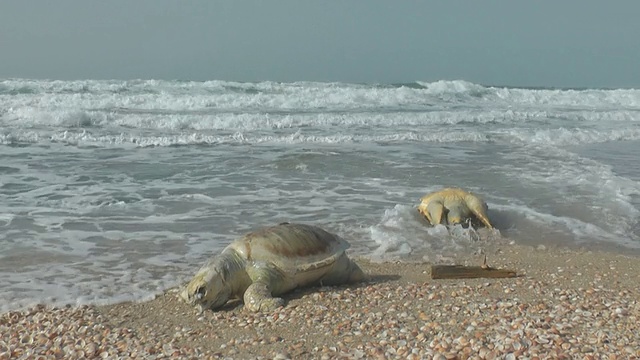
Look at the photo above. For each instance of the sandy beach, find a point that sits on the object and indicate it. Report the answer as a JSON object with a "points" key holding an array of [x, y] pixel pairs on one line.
{"points": [[564, 304]]}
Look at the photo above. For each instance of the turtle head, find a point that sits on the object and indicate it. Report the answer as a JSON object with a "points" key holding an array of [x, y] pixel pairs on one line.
{"points": [[207, 289], [454, 220], [456, 215]]}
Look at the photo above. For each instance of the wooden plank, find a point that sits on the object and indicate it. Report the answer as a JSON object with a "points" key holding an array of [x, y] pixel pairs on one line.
{"points": [[468, 272]]}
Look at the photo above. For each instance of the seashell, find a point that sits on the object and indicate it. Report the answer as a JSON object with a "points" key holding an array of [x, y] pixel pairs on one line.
{"points": [[42, 339], [517, 345], [55, 350], [463, 341], [26, 340], [14, 317], [68, 349], [543, 339], [18, 352], [491, 355]]}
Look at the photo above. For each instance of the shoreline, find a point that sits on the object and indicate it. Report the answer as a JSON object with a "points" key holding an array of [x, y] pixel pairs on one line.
{"points": [[564, 303]]}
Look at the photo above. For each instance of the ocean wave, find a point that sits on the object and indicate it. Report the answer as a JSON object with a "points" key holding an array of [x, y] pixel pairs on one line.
{"points": [[294, 135], [300, 96], [566, 137], [336, 121], [565, 98], [462, 87]]}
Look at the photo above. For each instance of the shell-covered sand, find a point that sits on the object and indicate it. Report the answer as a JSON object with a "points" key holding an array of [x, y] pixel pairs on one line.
{"points": [[571, 304]]}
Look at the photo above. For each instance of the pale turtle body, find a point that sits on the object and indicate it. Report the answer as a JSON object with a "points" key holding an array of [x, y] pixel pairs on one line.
{"points": [[453, 206], [269, 262]]}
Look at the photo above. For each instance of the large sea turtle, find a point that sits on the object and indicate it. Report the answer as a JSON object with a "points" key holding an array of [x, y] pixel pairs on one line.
{"points": [[454, 205], [269, 262]]}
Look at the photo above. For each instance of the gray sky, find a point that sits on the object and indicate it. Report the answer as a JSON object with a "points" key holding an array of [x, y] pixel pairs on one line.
{"points": [[503, 42]]}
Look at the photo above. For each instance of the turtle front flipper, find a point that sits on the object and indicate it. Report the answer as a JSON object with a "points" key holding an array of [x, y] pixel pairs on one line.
{"points": [[265, 282], [434, 212], [432, 208], [258, 297]]}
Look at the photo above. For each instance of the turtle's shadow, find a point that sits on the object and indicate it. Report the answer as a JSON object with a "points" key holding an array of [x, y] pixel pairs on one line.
{"points": [[379, 278], [237, 304], [371, 279]]}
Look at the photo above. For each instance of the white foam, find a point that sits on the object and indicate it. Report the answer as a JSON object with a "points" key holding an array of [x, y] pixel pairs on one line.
{"points": [[74, 290], [433, 127], [444, 87], [223, 97], [557, 137], [566, 137], [564, 227], [402, 234], [389, 234], [6, 218], [566, 98]]}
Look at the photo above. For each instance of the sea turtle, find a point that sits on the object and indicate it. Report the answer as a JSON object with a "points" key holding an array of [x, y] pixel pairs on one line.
{"points": [[456, 204], [269, 262]]}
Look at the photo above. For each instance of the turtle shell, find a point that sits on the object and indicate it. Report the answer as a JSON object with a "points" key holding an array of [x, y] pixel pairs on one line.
{"points": [[292, 248]]}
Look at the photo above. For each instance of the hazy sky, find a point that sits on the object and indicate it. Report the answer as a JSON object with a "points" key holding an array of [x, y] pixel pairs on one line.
{"points": [[568, 43]]}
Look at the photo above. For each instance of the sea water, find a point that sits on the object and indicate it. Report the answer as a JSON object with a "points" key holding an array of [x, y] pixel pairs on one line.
{"points": [[117, 190]]}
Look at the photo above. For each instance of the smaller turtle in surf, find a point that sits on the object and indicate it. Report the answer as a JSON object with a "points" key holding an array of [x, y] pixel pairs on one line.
{"points": [[269, 262], [454, 206]]}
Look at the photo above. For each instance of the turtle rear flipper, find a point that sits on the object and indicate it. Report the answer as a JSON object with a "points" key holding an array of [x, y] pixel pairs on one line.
{"points": [[343, 271], [479, 209]]}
